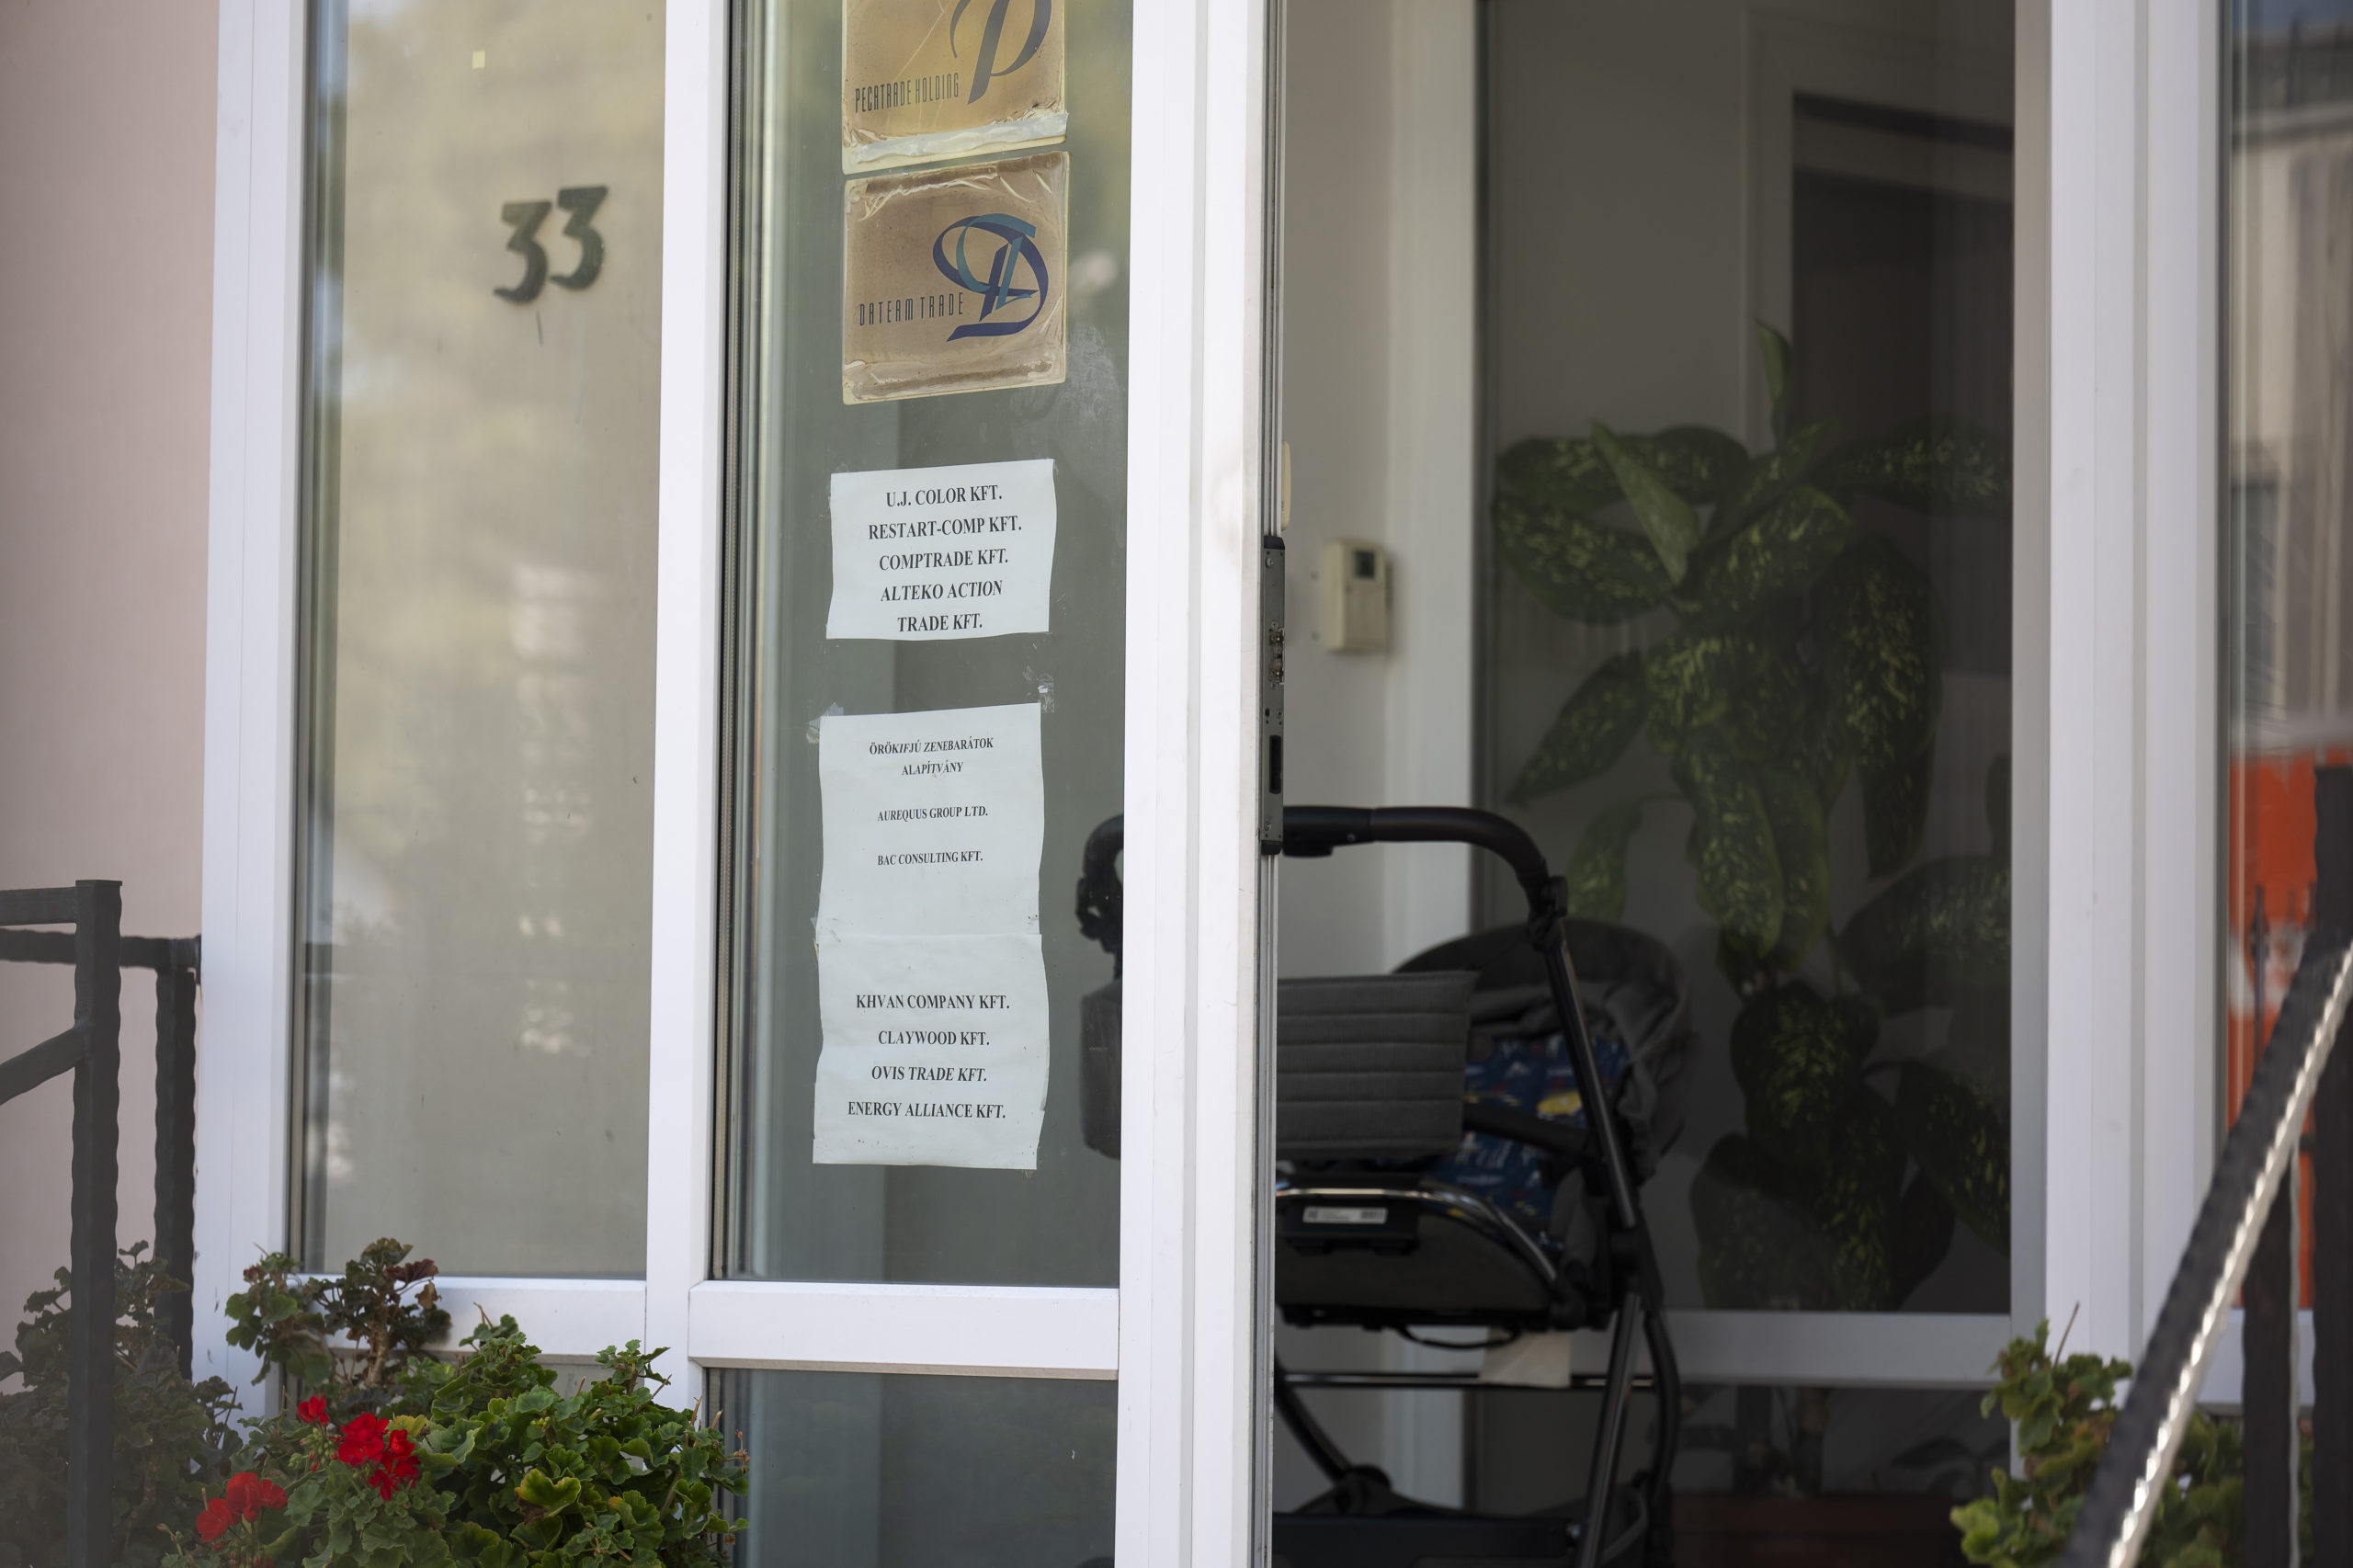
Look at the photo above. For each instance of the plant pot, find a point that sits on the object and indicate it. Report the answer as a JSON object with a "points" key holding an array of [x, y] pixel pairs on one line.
{"points": [[1862, 1530]]}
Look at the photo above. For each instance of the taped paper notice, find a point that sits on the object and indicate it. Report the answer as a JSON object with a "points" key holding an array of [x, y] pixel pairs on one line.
{"points": [[936, 1051], [930, 977], [928, 554], [934, 822]]}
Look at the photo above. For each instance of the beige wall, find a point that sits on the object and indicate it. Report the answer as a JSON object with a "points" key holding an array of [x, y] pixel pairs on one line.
{"points": [[105, 282]]}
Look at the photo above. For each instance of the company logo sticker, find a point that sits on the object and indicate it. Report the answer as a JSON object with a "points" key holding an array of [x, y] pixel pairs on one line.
{"points": [[950, 279], [929, 79]]}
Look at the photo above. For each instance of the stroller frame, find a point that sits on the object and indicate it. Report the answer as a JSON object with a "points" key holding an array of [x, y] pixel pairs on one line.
{"points": [[1601, 1151]]}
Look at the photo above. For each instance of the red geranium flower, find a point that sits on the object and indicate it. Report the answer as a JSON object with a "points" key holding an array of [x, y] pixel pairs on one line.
{"points": [[314, 1410], [363, 1440], [399, 1467], [215, 1518], [249, 1494]]}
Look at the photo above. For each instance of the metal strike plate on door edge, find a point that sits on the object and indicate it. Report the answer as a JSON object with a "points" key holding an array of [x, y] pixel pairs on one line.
{"points": [[1270, 695]]}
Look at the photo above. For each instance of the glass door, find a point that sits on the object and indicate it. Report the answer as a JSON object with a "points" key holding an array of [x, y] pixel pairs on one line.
{"points": [[958, 917]]}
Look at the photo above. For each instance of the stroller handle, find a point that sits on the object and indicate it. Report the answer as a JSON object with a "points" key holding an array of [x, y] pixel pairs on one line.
{"points": [[1313, 831]]}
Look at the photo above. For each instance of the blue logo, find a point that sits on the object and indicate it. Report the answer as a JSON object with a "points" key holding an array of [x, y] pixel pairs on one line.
{"points": [[985, 65], [1003, 289]]}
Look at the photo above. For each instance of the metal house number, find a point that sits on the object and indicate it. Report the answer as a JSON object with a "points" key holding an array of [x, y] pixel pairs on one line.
{"points": [[581, 201]]}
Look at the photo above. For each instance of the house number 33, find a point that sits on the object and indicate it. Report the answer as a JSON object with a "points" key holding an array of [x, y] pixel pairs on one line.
{"points": [[581, 201]]}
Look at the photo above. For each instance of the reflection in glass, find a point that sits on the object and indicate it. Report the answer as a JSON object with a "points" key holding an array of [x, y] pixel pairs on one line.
{"points": [[866, 1469], [1749, 668], [2287, 465], [790, 1218], [479, 620]]}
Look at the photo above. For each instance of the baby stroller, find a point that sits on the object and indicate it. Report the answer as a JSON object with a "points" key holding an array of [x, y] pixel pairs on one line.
{"points": [[1385, 1218]]}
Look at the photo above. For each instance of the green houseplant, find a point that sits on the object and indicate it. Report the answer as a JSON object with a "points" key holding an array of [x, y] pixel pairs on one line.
{"points": [[1798, 651]]}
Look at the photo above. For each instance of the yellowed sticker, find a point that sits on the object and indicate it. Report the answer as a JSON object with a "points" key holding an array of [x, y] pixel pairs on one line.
{"points": [[927, 79], [952, 280]]}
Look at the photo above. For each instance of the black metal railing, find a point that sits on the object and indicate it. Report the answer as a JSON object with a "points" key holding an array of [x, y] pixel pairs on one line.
{"points": [[91, 1049], [2245, 1234]]}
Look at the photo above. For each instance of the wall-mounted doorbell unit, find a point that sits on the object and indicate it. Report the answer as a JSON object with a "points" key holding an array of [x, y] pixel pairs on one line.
{"points": [[1355, 597]]}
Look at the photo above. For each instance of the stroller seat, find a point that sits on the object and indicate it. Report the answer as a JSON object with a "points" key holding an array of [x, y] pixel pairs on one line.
{"points": [[1420, 1183]]}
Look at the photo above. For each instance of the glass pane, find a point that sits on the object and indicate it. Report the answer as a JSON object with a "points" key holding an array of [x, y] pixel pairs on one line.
{"points": [[484, 313], [2287, 454], [933, 438], [865, 1470], [1749, 608]]}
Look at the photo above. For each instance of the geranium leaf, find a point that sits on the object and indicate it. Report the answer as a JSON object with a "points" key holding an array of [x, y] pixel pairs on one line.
{"points": [[1959, 1139], [1583, 570], [1731, 841], [1667, 519], [1590, 732], [1595, 878], [1943, 466]]}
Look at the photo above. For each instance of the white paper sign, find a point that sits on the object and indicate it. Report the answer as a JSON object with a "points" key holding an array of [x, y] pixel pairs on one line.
{"points": [[934, 821], [936, 1051], [928, 554], [931, 980]]}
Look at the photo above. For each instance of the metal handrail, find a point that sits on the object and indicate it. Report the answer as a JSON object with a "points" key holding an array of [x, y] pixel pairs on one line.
{"points": [[2122, 1500]]}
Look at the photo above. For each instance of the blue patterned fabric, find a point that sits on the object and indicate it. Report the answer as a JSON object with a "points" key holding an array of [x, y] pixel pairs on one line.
{"points": [[1530, 1073]]}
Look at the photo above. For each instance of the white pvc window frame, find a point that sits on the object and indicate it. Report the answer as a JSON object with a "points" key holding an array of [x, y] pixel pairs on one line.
{"points": [[1179, 1334], [2115, 927]]}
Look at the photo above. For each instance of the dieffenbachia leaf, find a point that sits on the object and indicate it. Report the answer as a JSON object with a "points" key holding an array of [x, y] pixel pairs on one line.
{"points": [[1863, 1181], [1940, 932], [1958, 1137], [1779, 554], [1920, 1235], [1730, 842], [1667, 519], [1759, 1247], [1583, 570], [1875, 626], [1559, 473], [1943, 466], [1773, 475], [1596, 877], [1797, 1058], [1690, 679], [1703, 466], [1773, 349], [1770, 697], [1802, 845], [1590, 732], [1896, 809]]}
